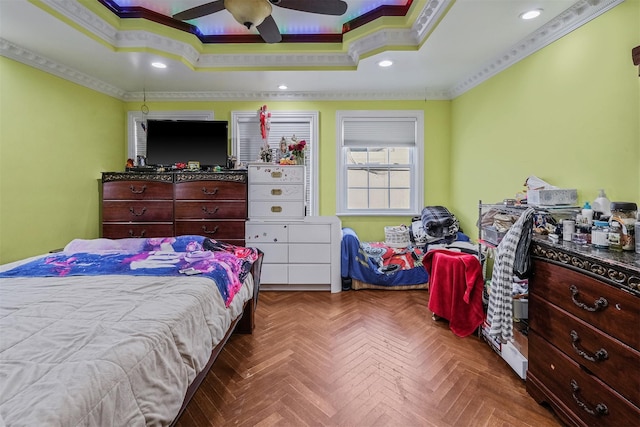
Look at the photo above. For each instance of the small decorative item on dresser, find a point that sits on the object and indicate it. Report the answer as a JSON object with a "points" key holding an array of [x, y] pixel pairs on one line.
{"points": [[194, 165], [297, 149]]}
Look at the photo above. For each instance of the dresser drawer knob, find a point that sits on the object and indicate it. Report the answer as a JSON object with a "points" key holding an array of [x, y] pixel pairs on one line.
{"points": [[142, 233], [140, 191], [210, 193], [599, 410], [276, 192], [133, 211], [600, 304], [214, 231], [208, 212], [597, 356], [276, 208], [276, 174]]}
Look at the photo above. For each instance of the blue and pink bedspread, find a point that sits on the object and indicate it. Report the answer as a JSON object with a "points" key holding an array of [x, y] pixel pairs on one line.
{"points": [[227, 265]]}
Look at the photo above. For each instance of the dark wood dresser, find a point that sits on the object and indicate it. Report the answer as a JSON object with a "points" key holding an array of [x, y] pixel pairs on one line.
{"points": [[152, 204], [584, 337]]}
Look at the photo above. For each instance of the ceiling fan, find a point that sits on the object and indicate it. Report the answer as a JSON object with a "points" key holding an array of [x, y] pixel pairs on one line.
{"points": [[257, 13]]}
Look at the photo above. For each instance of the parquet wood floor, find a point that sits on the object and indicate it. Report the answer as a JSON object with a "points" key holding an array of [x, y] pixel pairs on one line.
{"points": [[359, 358]]}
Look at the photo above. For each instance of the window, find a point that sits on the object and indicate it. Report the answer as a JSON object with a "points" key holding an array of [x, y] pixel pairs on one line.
{"points": [[380, 162], [137, 140], [247, 141]]}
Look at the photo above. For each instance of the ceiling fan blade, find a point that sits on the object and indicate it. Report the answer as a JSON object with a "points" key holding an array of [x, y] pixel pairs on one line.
{"points": [[198, 11], [323, 7], [269, 30]]}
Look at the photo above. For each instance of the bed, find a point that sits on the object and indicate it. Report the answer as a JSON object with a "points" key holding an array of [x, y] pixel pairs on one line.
{"points": [[374, 265], [118, 332], [377, 265]]}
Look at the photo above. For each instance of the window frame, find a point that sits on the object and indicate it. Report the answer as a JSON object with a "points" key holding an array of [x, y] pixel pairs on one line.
{"points": [[416, 166]]}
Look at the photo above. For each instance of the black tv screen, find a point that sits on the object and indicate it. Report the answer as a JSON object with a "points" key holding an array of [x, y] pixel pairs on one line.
{"points": [[182, 141]]}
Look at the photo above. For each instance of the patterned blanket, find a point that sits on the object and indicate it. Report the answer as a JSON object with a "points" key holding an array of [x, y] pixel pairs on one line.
{"points": [[227, 265]]}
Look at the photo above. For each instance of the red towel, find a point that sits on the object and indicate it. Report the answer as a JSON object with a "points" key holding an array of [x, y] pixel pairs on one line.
{"points": [[455, 289]]}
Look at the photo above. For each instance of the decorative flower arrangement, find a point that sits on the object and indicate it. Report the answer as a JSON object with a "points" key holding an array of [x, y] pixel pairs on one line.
{"points": [[292, 154], [297, 149]]}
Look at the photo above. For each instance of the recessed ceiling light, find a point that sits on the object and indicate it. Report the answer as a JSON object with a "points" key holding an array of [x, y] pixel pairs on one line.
{"points": [[531, 14], [158, 65], [385, 63], [282, 87]]}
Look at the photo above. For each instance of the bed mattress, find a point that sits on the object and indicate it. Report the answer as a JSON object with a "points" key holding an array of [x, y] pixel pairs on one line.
{"points": [[106, 350]]}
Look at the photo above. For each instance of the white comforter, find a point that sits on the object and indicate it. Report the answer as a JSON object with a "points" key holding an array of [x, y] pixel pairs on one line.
{"points": [[106, 351]]}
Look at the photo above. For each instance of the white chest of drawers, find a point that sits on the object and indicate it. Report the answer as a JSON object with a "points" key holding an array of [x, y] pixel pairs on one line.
{"points": [[298, 255], [276, 192]]}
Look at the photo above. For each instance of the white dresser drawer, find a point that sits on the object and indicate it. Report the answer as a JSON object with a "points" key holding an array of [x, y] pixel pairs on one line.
{"points": [[274, 252], [265, 233], [276, 192], [309, 274], [274, 274], [310, 233], [275, 174], [309, 253], [276, 210]]}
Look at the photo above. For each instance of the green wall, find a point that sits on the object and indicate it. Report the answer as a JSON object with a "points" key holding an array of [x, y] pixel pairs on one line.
{"points": [[55, 139], [569, 114]]}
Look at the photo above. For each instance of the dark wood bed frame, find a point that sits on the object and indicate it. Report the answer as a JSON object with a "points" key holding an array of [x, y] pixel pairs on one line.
{"points": [[244, 324]]}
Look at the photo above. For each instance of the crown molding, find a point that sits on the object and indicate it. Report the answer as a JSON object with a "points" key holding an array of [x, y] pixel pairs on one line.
{"points": [[288, 96], [27, 57], [98, 27], [577, 15]]}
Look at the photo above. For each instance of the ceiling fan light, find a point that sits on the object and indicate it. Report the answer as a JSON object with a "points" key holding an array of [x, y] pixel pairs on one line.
{"points": [[248, 12]]}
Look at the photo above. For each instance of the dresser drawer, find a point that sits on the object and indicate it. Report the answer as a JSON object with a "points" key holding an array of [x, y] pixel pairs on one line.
{"points": [[211, 210], [274, 274], [218, 230], [120, 231], [276, 192], [267, 233], [276, 210], [596, 351], [310, 233], [273, 252], [574, 389], [138, 211], [603, 306], [309, 253], [268, 174], [210, 190], [309, 274], [137, 190]]}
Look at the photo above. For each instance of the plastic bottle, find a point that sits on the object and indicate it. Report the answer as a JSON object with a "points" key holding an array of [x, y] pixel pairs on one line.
{"points": [[602, 205], [587, 214]]}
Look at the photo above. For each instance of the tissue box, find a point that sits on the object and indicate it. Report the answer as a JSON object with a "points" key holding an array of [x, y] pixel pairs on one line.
{"points": [[555, 197]]}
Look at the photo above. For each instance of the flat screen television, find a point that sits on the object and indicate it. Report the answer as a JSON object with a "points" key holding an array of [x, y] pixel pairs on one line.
{"points": [[182, 141]]}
